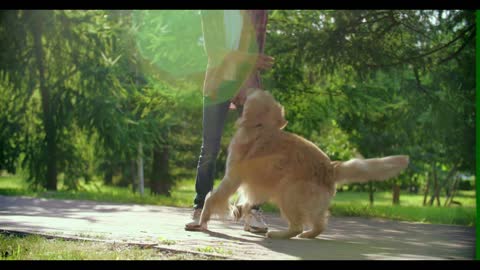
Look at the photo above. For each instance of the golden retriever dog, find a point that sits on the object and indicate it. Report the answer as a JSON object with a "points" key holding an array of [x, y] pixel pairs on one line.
{"points": [[269, 164]]}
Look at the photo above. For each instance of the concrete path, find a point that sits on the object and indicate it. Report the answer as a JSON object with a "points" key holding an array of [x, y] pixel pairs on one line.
{"points": [[346, 238]]}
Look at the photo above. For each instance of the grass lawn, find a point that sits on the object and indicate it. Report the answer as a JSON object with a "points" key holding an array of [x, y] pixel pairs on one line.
{"points": [[344, 204], [410, 208], [34, 247]]}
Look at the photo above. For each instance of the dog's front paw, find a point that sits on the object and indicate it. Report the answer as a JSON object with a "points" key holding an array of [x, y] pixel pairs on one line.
{"points": [[236, 212]]}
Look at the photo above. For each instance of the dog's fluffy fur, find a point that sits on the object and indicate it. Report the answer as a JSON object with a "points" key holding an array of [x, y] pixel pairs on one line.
{"points": [[269, 164]]}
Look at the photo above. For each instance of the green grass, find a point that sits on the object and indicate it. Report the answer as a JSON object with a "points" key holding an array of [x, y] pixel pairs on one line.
{"points": [[218, 250], [410, 209], [34, 247], [467, 198], [344, 204], [436, 215], [182, 195]]}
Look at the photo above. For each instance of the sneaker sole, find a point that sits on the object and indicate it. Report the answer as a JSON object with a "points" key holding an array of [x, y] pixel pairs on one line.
{"points": [[256, 230]]}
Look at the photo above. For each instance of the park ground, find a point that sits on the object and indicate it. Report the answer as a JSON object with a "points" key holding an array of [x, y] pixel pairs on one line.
{"points": [[127, 226]]}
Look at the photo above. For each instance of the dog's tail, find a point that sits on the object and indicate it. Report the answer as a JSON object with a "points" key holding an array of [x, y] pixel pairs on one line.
{"points": [[363, 170]]}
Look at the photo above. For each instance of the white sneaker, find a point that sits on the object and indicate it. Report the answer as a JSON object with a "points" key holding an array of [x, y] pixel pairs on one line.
{"points": [[254, 222]]}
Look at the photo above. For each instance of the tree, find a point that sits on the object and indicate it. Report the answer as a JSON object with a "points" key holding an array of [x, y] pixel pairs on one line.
{"points": [[389, 78], [60, 54]]}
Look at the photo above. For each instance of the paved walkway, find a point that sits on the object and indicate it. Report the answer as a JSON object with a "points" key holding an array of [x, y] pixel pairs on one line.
{"points": [[346, 238]]}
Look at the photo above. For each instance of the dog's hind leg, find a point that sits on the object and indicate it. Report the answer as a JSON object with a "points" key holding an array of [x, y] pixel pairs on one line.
{"points": [[319, 224], [293, 230], [295, 221]]}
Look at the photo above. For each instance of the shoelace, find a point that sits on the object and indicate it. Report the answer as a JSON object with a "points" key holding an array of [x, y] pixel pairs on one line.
{"points": [[258, 214]]}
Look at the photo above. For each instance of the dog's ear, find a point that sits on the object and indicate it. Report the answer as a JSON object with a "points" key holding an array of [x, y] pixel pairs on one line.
{"points": [[276, 117], [280, 120]]}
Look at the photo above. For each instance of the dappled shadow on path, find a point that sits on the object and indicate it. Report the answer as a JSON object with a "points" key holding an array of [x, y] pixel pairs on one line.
{"points": [[360, 238], [344, 239]]}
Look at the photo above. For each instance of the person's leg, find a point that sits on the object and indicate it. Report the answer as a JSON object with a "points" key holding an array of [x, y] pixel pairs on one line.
{"points": [[214, 116]]}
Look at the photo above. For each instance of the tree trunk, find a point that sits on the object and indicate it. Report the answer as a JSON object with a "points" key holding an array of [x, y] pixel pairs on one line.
{"points": [[427, 189], [435, 186], [48, 122], [437, 196], [160, 181], [125, 168], [370, 191], [108, 179], [436, 193], [452, 193], [453, 189], [132, 175], [396, 194], [140, 168]]}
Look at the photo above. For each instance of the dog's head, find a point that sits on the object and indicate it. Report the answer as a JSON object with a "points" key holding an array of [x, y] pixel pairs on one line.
{"points": [[261, 109]]}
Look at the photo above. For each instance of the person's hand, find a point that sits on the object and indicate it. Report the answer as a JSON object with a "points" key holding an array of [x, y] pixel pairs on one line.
{"points": [[264, 62], [259, 61]]}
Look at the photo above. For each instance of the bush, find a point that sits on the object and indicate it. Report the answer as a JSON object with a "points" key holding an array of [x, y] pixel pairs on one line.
{"points": [[468, 184]]}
